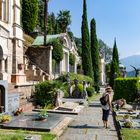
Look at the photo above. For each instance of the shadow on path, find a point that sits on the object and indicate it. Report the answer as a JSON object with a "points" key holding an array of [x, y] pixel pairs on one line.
{"points": [[94, 105], [85, 126]]}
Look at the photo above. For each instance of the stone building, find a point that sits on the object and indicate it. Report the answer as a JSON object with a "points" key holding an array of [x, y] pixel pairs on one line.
{"points": [[40, 58], [11, 38], [14, 90]]}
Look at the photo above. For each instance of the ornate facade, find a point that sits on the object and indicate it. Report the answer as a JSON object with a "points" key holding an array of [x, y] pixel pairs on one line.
{"points": [[45, 68], [11, 41]]}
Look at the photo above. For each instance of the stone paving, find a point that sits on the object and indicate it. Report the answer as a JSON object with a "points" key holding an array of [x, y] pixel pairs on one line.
{"points": [[88, 125]]}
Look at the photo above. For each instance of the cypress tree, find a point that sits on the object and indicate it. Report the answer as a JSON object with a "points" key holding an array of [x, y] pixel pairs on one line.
{"points": [[95, 54], [114, 68], [86, 55], [115, 55], [29, 15], [41, 14], [53, 20], [50, 26]]}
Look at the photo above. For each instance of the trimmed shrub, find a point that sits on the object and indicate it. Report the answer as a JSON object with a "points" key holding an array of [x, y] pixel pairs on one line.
{"points": [[29, 15], [78, 92], [72, 76], [57, 53], [45, 91], [72, 59], [126, 88], [90, 91]]}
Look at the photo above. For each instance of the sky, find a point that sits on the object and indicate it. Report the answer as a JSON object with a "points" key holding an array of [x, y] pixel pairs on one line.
{"points": [[118, 19]]}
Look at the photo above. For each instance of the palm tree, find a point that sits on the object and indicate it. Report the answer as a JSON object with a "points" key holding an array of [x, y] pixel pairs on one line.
{"points": [[64, 20]]}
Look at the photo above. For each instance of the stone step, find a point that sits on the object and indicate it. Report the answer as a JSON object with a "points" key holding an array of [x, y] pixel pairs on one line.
{"points": [[59, 129]]}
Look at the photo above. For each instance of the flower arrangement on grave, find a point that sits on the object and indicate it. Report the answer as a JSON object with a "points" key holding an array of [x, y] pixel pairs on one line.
{"points": [[127, 121], [5, 118], [126, 117], [43, 115], [128, 124], [18, 111]]}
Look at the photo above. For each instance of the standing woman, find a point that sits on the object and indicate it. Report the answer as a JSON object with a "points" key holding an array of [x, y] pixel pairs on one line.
{"points": [[108, 107]]}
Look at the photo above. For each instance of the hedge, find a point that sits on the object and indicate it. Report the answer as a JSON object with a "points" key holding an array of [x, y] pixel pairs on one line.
{"points": [[126, 88], [90, 91], [57, 53]]}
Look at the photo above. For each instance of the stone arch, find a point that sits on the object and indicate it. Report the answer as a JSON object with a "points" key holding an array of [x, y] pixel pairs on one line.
{"points": [[2, 97], [67, 41]]}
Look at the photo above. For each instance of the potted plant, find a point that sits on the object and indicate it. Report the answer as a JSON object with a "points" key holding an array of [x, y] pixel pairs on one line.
{"points": [[43, 115]]}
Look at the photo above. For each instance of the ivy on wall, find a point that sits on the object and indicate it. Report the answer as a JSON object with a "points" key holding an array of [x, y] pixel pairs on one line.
{"points": [[72, 59], [57, 53]]}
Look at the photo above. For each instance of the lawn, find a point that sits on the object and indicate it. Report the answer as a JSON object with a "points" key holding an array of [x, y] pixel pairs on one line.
{"points": [[11, 137], [20, 134], [130, 134]]}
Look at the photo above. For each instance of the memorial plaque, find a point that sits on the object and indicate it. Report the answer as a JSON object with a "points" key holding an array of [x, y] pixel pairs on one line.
{"points": [[13, 102]]}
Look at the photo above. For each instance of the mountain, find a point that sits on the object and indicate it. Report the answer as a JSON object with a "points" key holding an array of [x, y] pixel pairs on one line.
{"points": [[133, 60], [131, 73]]}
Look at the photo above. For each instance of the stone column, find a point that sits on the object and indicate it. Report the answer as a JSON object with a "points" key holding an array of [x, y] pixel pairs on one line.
{"points": [[3, 65], [68, 65], [75, 67], [50, 62]]}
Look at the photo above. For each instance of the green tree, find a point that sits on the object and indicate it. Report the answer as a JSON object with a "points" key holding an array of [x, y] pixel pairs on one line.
{"points": [[51, 28], [95, 55], [78, 42], [41, 14], [115, 55], [29, 15], [57, 53], [114, 67], [64, 20], [113, 72], [86, 55], [72, 59]]}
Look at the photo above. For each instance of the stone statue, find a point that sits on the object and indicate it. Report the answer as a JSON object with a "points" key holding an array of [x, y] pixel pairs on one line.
{"points": [[84, 90], [136, 71], [75, 92], [58, 98]]}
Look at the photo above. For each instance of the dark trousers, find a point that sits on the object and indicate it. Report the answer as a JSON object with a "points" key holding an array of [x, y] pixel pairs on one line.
{"points": [[105, 115]]}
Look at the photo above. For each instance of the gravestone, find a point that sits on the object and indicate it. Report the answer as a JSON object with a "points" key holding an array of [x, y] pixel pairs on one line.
{"points": [[58, 98], [13, 102], [68, 106]]}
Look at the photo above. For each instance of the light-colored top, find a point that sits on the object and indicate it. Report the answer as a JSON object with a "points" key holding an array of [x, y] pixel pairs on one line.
{"points": [[107, 107]]}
